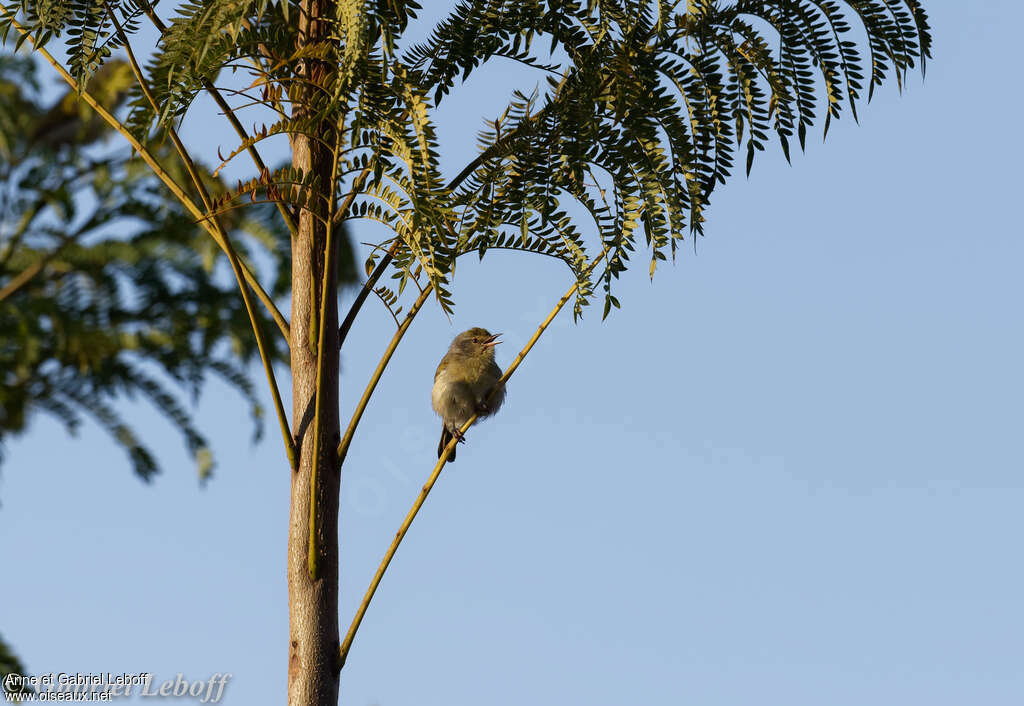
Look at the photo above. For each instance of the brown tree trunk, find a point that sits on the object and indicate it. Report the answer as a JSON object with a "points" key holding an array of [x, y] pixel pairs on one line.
{"points": [[313, 660]]}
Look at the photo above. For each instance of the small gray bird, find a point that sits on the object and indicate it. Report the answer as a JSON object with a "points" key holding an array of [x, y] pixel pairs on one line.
{"points": [[464, 382]]}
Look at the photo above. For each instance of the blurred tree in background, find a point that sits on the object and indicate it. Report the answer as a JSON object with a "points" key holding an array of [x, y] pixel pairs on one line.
{"points": [[108, 288]]}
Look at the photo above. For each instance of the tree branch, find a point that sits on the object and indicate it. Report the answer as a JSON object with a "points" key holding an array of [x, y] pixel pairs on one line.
{"points": [[382, 266], [229, 113], [371, 282], [353, 310], [346, 644], [236, 265]]}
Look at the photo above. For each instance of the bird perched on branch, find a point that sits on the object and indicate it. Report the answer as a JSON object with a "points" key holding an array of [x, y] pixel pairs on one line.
{"points": [[466, 383]]}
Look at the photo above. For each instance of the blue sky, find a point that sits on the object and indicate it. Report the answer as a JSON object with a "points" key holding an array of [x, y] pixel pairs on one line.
{"points": [[788, 472]]}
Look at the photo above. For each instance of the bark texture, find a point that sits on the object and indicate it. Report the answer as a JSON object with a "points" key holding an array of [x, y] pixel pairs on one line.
{"points": [[313, 662]]}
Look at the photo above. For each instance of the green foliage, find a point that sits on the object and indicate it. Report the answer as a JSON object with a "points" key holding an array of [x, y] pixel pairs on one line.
{"points": [[108, 289], [644, 108]]}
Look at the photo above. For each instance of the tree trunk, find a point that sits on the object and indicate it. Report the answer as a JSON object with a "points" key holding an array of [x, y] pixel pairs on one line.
{"points": [[313, 659]]}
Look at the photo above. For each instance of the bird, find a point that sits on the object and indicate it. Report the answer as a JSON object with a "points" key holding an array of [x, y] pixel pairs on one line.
{"points": [[467, 382]]}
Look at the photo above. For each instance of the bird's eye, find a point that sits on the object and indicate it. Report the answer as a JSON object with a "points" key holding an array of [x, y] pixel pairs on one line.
{"points": [[476, 340]]}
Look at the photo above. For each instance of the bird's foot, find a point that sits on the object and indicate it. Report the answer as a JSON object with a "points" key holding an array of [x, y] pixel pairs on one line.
{"points": [[459, 436]]}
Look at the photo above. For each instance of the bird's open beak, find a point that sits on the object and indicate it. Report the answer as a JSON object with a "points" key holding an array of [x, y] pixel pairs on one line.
{"points": [[492, 341]]}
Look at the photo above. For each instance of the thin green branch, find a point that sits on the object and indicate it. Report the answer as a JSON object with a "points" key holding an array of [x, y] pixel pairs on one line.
{"points": [[236, 264], [229, 113], [357, 415], [161, 173], [336, 216], [346, 644], [350, 317], [321, 358]]}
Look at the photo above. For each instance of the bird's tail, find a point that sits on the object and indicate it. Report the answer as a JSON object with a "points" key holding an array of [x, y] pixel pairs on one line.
{"points": [[446, 436]]}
